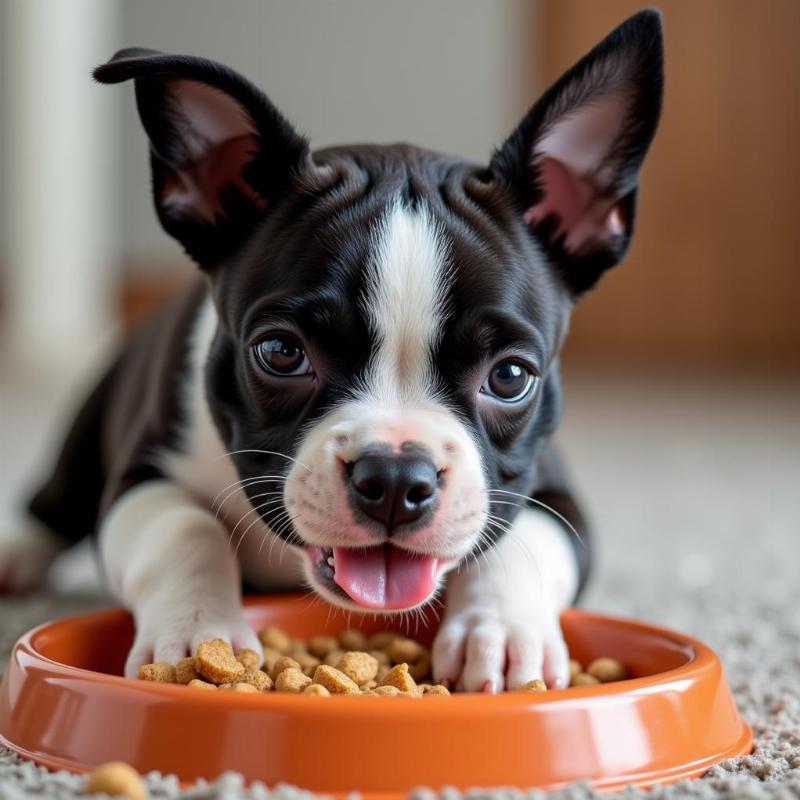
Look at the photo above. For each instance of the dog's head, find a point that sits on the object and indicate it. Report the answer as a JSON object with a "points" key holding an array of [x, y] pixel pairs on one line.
{"points": [[385, 368]]}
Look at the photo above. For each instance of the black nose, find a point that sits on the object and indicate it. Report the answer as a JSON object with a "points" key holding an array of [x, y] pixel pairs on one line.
{"points": [[393, 489]]}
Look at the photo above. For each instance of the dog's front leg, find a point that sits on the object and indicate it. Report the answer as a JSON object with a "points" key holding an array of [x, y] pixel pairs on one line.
{"points": [[501, 625], [168, 560]]}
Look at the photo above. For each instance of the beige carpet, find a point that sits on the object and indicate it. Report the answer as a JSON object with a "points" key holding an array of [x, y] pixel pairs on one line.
{"points": [[692, 484]]}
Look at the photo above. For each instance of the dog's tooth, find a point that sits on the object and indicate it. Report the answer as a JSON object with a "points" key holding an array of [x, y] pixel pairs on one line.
{"points": [[330, 561]]}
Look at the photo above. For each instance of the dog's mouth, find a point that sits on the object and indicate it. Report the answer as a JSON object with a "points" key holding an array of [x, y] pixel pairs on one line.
{"points": [[382, 577]]}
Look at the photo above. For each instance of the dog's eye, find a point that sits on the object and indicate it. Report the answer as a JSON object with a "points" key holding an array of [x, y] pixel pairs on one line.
{"points": [[509, 381], [283, 355]]}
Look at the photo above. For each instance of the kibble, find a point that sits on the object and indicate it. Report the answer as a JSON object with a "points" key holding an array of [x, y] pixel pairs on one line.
{"points": [[283, 663], [536, 685], [271, 655], [316, 688], [607, 670], [335, 681], [352, 639], [248, 658], [160, 672], [399, 677], [275, 638], [117, 779], [382, 639], [333, 658], [358, 666], [387, 690], [308, 663], [436, 689], [382, 657], [387, 663], [405, 650], [291, 679], [216, 662], [185, 671], [244, 687], [198, 684], [258, 679], [320, 646]]}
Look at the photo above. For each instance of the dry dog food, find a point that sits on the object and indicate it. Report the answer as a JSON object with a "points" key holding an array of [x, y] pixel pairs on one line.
{"points": [[161, 672], [601, 670], [536, 685], [216, 662], [386, 663], [118, 780]]}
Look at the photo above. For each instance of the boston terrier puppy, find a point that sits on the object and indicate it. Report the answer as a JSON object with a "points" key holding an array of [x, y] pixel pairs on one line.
{"points": [[359, 393]]}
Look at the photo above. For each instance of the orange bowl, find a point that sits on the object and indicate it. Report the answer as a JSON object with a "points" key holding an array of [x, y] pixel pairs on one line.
{"points": [[64, 705]]}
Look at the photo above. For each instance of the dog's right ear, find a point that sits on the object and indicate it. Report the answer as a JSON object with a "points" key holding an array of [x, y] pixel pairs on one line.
{"points": [[221, 153]]}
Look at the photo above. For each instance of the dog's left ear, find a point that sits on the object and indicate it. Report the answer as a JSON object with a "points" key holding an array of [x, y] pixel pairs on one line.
{"points": [[220, 151], [574, 160]]}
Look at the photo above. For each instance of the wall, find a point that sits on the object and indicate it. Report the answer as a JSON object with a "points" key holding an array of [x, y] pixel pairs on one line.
{"points": [[712, 276], [448, 75]]}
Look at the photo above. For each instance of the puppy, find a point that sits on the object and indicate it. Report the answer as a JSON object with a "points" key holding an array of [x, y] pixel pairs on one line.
{"points": [[359, 394]]}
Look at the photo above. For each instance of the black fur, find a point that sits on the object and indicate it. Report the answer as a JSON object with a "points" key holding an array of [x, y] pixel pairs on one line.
{"points": [[298, 264], [632, 54]]}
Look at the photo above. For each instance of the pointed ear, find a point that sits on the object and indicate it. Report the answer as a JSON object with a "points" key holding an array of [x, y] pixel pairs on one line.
{"points": [[221, 153], [574, 160]]}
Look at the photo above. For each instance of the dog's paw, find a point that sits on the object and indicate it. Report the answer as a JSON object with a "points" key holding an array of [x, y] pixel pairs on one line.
{"points": [[175, 634], [25, 557], [478, 649]]}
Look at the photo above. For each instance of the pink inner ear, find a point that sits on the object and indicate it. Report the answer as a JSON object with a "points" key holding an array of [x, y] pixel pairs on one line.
{"points": [[196, 187], [577, 181], [587, 216], [221, 140]]}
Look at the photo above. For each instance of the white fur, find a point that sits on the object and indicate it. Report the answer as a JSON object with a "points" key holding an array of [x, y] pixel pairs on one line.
{"points": [[200, 464], [501, 624], [405, 303], [168, 560]]}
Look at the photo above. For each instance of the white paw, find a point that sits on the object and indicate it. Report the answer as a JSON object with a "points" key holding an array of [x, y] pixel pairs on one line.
{"points": [[501, 625], [479, 650], [176, 633], [26, 556]]}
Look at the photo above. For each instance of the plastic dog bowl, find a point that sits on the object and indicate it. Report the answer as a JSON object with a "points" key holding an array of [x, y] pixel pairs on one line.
{"points": [[63, 704]]}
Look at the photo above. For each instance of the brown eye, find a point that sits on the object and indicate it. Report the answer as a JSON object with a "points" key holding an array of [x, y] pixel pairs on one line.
{"points": [[282, 355], [509, 381]]}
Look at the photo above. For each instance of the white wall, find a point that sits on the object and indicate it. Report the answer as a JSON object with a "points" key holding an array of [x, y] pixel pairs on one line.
{"points": [[454, 75], [59, 144], [447, 74]]}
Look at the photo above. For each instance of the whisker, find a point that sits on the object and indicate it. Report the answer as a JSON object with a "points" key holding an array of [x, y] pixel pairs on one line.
{"points": [[265, 453], [246, 483], [243, 482], [270, 531], [254, 510], [241, 538], [541, 505]]}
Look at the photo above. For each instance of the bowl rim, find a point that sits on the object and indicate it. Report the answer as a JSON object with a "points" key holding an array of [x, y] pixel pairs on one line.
{"points": [[699, 658], [701, 666]]}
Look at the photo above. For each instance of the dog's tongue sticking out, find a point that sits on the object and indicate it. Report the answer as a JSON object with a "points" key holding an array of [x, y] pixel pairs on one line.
{"points": [[384, 577]]}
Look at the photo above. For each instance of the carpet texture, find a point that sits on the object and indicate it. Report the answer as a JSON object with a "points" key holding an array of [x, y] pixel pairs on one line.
{"points": [[694, 498]]}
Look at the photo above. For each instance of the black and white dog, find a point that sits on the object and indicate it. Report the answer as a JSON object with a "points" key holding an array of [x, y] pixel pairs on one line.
{"points": [[359, 395]]}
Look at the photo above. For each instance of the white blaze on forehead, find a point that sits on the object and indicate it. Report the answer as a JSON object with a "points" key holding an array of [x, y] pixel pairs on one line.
{"points": [[405, 304]]}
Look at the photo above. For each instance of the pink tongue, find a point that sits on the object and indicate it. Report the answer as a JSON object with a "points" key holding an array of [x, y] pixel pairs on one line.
{"points": [[384, 577]]}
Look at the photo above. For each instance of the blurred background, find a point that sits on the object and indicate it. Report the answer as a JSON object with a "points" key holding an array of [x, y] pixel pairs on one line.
{"points": [[682, 422]]}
